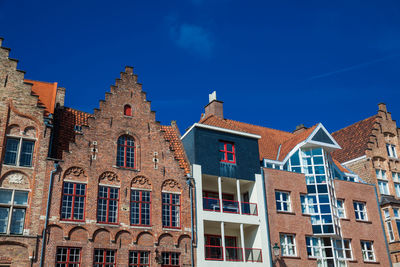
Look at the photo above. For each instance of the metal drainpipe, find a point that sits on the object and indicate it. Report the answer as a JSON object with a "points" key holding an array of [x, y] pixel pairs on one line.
{"points": [[47, 213], [189, 182]]}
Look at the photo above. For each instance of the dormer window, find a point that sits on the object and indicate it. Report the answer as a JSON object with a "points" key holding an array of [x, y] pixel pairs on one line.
{"points": [[227, 152], [391, 150], [128, 110]]}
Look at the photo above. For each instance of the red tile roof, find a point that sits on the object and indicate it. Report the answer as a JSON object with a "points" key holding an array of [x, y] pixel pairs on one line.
{"points": [[289, 144], [46, 92], [171, 134], [353, 139]]}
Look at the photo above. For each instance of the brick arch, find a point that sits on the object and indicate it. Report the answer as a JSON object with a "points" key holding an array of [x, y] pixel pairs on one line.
{"points": [[119, 237], [145, 239], [30, 131], [76, 173], [171, 184], [164, 237], [15, 243], [24, 174], [13, 129], [78, 230], [181, 238], [99, 232]]}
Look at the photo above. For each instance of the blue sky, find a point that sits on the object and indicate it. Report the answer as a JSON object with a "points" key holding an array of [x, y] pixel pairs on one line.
{"points": [[273, 63]]}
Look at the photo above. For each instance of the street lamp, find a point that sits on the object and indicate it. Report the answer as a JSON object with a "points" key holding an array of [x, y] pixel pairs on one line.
{"points": [[277, 250]]}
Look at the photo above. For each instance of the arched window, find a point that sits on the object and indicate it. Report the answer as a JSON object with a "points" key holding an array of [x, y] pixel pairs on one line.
{"points": [[127, 110], [126, 152]]}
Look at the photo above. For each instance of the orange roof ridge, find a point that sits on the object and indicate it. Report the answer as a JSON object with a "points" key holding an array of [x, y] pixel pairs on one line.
{"points": [[289, 144], [46, 92], [263, 127]]}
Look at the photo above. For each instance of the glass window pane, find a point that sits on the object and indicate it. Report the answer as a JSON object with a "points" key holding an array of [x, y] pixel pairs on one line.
{"points": [[4, 212], [11, 151], [5, 196], [26, 153], [17, 221], [21, 198]]}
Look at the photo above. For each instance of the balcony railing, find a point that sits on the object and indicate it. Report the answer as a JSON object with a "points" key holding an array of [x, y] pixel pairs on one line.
{"points": [[253, 254], [229, 206], [234, 254], [215, 253], [249, 208], [212, 204]]}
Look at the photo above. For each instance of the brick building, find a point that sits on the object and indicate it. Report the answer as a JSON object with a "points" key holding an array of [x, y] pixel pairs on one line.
{"points": [[25, 130], [370, 149], [109, 188], [319, 213]]}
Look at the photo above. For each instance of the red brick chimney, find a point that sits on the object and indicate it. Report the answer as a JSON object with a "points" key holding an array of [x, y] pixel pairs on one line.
{"points": [[214, 107]]}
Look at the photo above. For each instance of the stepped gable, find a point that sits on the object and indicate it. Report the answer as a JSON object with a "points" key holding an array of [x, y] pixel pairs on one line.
{"points": [[46, 92], [172, 135], [270, 138], [353, 139], [66, 120]]}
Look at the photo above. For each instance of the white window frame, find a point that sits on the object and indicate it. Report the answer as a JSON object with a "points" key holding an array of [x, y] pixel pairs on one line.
{"points": [[342, 208], [280, 200], [397, 189], [306, 204], [11, 207], [390, 230], [391, 150], [343, 248], [288, 246], [396, 177], [365, 252], [313, 248], [383, 187], [361, 211], [21, 139], [396, 212], [381, 174]]}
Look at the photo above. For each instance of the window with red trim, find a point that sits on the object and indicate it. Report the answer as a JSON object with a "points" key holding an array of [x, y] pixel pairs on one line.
{"points": [[139, 258], [73, 201], [171, 208], [107, 207], [127, 110], [170, 259], [140, 207], [126, 152], [68, 257], [104, 258], [227, 152]]}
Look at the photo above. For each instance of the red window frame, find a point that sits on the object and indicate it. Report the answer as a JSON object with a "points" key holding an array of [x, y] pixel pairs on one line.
{"points": [[128, 110], [140, 206], [108, 198], [73, 203], [104, 262], [170, 210], [170, 259], [226, 152], [125, 147], [139, 264], [66, 263]]}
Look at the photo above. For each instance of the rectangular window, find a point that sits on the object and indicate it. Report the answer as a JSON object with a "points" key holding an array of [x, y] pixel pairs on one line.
{"points": [[390, 230], [391, 150], [343, 249], [340, 208], [170, 259], [386, 214], [70, 257], [288, 245], [360, 211], [107, 208], [104, 258], [383, 187], [308, 204], [171, 208], [19, 152], [397, 189], [313, 247], [227, 152], [396, 177], [396, 213], [367, 250], [13, 204], [139, 258], [380, 174], [73, 201], [282, 201], [140, 207]]}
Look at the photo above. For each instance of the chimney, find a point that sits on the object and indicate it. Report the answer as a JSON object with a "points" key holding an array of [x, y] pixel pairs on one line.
{"points": [[214, 107], [300, 128], [60, 96], [382, 111]]}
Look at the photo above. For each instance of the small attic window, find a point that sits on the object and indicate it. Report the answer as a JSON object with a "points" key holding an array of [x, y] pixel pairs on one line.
{"points": [[78, 128], [127, 110]]}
